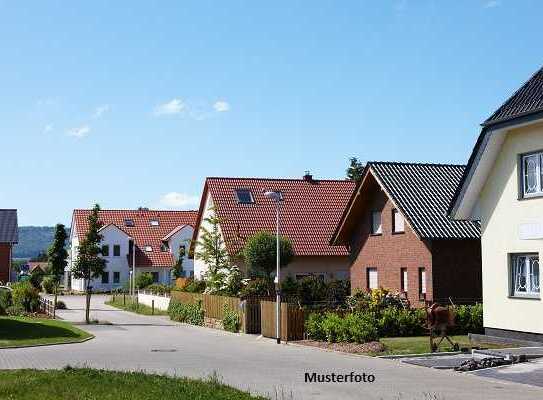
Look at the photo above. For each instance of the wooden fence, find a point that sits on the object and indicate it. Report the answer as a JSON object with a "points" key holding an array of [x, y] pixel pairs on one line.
{"points": [[292, 320], [214, 306]]}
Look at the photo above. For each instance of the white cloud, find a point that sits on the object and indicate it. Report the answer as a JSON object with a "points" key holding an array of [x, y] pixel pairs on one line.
{"points": [[491, 4], [174, 106], [221, 106], [48, 128], [79, 132], [175, 199], [100, 110]]}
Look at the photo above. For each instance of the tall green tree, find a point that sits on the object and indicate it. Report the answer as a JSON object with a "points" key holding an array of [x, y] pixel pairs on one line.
{"points": [[355, 169], [57, 256], [178, 268], [260, 253], [89, 263]]}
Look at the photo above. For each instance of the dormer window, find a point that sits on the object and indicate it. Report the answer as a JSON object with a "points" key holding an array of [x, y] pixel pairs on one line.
{"points": [[244, 196], [164, 247], [154, 222], [128, 222], [148, 249]]}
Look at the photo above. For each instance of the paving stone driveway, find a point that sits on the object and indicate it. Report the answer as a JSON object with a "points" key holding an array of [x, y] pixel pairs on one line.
{"points": [[155, 344]]}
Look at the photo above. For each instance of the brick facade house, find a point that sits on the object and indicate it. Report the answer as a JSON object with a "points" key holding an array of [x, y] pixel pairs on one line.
{"points": [[8, 237], [400, 237]]}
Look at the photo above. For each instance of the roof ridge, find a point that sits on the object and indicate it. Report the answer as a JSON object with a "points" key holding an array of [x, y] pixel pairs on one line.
{"points": [[417, 163], [132, 209], [276, 179], [489, 120]]}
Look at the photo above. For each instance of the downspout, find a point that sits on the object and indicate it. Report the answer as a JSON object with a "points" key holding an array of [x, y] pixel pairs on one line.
{"points": [[9, 263]]}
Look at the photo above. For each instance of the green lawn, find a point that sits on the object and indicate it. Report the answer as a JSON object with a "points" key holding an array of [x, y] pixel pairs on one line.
{"points": [[128, 305], [88, 384], [421, 344], [23, 331]]}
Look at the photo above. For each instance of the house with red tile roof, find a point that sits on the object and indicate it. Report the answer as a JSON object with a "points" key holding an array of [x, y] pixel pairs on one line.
{"points": [[310, 210], [137, 241]]}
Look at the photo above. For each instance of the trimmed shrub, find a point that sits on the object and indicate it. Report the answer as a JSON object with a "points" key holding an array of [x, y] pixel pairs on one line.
{"points": [[258, 287], [189, 313], [394, 321], [158, 288], [354, 327], [313, 326], [195, 286], [469, 319], [5, 300], [143, 280], [230, 322], [25, 297], [48, 284]]}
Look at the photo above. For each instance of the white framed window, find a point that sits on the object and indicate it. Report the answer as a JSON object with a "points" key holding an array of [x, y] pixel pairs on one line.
{"points": [[524, 273], [154, 222], [376, 226], [372, 278], [397, 222], [422, 280], [532, 170], [404, 284], [148, 249]]}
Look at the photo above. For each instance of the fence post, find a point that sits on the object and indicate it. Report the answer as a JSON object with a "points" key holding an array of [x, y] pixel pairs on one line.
{"points": [[153, 307], [124, 299]]}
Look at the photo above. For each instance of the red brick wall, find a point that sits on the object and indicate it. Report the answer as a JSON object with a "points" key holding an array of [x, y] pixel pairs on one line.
{"points": [[388, 252], [4, 261], [457, 270]]}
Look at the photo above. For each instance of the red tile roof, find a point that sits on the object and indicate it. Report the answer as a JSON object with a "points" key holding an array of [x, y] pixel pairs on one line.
{"points": [[142, 232], [310, 211]]}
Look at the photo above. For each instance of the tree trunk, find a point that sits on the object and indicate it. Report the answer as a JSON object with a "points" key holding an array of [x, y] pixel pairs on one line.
{"points": [[87, 304], [55, 302]]}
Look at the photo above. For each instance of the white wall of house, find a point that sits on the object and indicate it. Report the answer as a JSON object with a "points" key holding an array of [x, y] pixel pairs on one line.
{"points": [[510, 225], [115, 264], [182, 237]]}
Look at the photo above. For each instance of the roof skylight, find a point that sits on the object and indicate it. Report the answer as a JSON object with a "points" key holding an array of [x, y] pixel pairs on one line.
{"points": [[244, 196], [128, 222], [154, 222]]}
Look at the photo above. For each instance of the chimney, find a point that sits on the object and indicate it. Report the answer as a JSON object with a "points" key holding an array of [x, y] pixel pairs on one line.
{"points": [[308, 177], [143, 209]]}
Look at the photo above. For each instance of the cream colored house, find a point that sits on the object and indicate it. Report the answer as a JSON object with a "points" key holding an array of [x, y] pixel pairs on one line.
{"points": [[503, 187]]}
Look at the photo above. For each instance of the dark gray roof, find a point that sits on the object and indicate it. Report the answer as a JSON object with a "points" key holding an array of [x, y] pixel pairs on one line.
{"points": [[8, 226], [526, 100], [423, 193]]}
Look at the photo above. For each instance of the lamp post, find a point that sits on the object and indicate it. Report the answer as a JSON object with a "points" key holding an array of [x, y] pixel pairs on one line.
{"points": [[276, 197]]}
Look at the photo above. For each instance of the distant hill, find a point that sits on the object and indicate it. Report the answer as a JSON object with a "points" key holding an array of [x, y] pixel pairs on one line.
{"points": [[33, 240]]}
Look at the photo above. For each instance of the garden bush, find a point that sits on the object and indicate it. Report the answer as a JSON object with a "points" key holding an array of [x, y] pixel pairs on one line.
{"points": [[189, 313], [393, 321], [143, 280], [469, 319], [231, 321], [259, 287], [158, 288], [316, 293], [354, 327], [5, 300], [195, 286], [48, 284], [25, 297]]}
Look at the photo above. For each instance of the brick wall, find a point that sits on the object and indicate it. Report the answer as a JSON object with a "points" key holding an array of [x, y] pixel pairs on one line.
{"points": [[388, 252], [4, 261], [457, 270]]}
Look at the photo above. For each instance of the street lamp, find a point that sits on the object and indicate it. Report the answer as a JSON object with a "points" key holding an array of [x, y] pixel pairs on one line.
{"points": [[277, 198]]}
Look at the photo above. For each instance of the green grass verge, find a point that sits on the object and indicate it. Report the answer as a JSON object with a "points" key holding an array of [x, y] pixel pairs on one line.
{"points": [[24, 331], [89, 384], [129, 305], [421, 344]]}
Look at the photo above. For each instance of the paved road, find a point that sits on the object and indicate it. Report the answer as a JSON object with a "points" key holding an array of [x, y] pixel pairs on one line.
{"points": [[155, 344]]}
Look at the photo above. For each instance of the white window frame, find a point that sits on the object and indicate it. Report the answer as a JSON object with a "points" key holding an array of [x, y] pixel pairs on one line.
{"points": [[148, 248], [397, 214], [376, 230], [154, 222], [404, 276], [538, 184], [369, 271], [422, 280], [525, 282]]}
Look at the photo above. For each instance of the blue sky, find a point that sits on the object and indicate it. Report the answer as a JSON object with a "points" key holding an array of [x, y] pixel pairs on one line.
{"points": [[133, 104]]}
